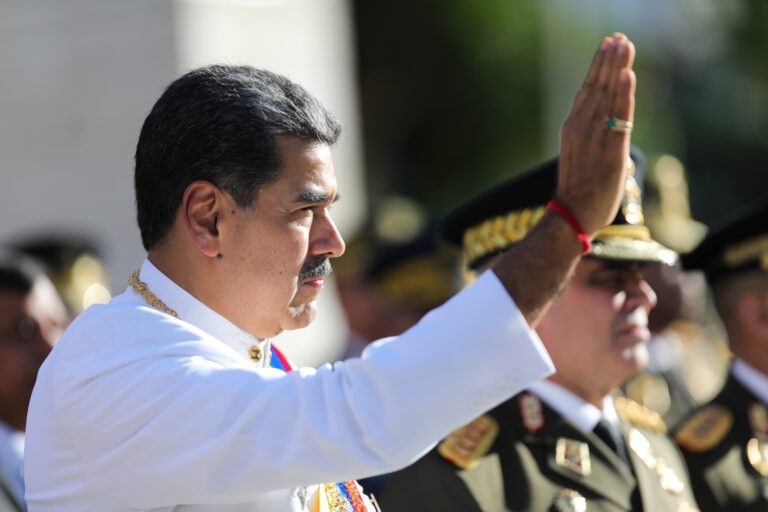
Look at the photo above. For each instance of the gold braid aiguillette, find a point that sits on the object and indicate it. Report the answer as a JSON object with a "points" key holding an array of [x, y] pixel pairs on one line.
{"points": [[141, 288]]}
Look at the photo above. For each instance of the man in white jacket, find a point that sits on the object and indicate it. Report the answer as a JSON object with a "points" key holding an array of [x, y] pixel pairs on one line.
{"points": [[168, 397]]}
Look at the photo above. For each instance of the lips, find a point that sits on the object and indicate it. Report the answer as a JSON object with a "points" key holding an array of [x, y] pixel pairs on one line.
{"points": [[316, 282], [639, 331]]}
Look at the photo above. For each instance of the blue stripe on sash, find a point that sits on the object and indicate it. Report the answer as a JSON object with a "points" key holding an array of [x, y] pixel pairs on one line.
{"points": [[274, 362]]}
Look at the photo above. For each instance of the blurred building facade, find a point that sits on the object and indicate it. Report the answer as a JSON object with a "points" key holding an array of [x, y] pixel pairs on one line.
{"points": [[77, 78]]}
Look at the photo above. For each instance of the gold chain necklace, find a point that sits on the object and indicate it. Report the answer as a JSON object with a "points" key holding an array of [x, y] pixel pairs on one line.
{"points": [[254, 353], [142, 289]]}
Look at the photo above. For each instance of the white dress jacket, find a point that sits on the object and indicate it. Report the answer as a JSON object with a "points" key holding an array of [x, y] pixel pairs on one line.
{"points": [[136, 410]]}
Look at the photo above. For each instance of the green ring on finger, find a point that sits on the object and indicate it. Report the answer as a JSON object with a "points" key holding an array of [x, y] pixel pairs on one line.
{"points": [[614, 124]]}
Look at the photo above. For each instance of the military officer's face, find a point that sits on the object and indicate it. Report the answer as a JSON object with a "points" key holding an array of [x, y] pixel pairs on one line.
{"points": [[597, 329], [279, 253]]}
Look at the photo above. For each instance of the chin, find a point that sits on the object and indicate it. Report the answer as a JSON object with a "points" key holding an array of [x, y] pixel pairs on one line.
{"points": [[301, 316], [635, 356]]}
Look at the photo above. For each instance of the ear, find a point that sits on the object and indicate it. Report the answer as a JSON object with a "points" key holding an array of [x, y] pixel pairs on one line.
{"points": [[201, 207]]}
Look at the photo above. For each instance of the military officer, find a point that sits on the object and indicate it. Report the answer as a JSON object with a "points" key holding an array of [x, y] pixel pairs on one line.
{"points": [[565, 443], [725, 442]]}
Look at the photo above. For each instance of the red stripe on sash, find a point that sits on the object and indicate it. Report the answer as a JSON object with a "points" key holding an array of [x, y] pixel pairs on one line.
{"points": [[282, 359]]}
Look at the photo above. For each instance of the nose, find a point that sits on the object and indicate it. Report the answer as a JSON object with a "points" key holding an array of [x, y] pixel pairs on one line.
{"points": [[325, 238], [640, 293]]}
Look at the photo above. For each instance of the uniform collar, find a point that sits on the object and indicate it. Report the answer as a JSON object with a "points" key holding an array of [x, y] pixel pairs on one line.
{"points": [[573, 408], [750, 378], [198, 314]]}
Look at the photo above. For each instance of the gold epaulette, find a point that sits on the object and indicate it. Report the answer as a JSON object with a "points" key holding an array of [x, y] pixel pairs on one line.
{"points": [[467, 445], [639, 414], [705, 428]]}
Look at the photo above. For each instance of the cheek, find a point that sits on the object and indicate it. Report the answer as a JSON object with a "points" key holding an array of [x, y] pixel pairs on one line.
{"points": [[13, 371]]}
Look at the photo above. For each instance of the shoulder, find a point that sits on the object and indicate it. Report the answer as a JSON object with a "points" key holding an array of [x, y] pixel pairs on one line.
{"points": [[639, 415], [107, 338], [705, 428], [466, 446]]}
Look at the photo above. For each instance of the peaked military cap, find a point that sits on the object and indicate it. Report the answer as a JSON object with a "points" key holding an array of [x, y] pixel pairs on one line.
{"points": [[500, 217], [738, 244]]}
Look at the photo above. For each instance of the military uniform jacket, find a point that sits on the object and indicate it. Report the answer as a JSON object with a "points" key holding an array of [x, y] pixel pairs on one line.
{"points": [[541, 462], [726, 451]]}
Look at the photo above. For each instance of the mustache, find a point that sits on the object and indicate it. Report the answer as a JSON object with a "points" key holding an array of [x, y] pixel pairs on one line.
{"points": [[315, 268]]}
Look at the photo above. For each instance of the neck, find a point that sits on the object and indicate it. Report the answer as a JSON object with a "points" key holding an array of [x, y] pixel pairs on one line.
{"points": [[189, 270], [592, 397]]}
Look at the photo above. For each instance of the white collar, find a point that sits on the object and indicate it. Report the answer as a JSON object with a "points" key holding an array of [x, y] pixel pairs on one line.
{"points": [[198, 314], [573, 408], [752, 379]]}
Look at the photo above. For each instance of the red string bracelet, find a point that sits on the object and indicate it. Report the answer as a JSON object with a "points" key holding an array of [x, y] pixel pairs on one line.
{"points": [[559, 208]]}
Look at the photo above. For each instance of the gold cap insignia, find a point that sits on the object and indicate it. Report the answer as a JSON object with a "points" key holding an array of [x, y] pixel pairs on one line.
{"points": [[705, 428], [569, 500], [631, 206], [573, 455], [757, 454], [467, 445], [531, 412], [752, 249]]}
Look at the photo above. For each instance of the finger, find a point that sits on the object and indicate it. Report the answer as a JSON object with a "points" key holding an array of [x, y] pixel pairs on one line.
{"points": [[598, 60], [612, 59], [598, 99], [624, 100], [602, 105], [625, 56], [590, 82]]}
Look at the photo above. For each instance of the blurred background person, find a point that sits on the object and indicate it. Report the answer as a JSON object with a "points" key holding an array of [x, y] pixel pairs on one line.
{"points": [[73, 263], [393, 274], [32, 317], [390, 276], [726, 441], [687, 351]]}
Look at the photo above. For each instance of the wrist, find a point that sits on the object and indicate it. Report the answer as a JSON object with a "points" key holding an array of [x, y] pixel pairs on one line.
{"points": [[566, 214]]}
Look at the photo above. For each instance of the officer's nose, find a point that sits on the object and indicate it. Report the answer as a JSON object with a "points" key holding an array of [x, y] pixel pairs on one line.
{"points": [[640, 293]]}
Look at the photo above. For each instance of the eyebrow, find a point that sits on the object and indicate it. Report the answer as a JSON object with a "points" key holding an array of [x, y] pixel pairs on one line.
{"points": [[310, 196]]}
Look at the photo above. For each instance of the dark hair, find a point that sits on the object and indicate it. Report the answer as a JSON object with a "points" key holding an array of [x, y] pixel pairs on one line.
{"points": [[18, 272], [219, 123]]}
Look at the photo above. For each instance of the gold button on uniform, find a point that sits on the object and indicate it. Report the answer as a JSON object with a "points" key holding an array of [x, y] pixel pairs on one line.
{"points": [[255, 353]]}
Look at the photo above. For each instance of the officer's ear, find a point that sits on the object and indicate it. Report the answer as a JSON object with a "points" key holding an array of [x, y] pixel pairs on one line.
{"points": [[202, 206]]}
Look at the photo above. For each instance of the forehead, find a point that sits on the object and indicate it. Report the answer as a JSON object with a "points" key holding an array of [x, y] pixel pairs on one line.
{"points": [[306, 166], [595, 265]]}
